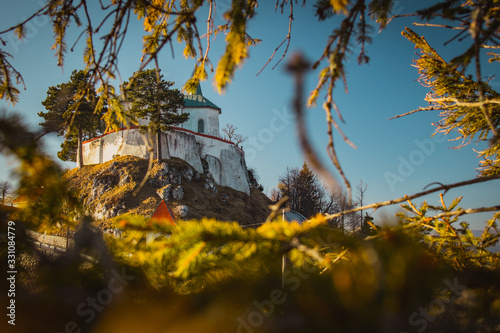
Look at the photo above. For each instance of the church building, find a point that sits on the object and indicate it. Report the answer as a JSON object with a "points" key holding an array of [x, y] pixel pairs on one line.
{"points": [[196, 140]]}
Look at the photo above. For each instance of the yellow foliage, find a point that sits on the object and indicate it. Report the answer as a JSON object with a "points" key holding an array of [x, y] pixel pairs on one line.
{"points": [[339, 5]]}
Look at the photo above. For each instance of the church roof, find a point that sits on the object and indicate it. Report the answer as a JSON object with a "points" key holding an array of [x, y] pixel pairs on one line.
{"points": [[197, 100]]}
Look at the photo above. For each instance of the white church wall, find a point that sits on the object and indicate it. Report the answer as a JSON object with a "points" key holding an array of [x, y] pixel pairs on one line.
{"points": [[214, 168], [233, 169], [129, 142], [184, 146], [226, 162], [210, 119], [91, 151]]}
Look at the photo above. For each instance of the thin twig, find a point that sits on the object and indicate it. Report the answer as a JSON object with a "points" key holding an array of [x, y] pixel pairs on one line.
{"points": [[287, 39], [430, 108], [459, 212], [413, 196], [439, 26], [25, 21], [398, 16], [455, 37], [331, 150]]}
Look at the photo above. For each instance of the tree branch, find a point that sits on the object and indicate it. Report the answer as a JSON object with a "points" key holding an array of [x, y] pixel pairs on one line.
{"points": [[438, 26], [476, 33], [460, 103], [287, 39], [298, 66], [430, 108], [25, 21], [459, 212], [413, 196]]}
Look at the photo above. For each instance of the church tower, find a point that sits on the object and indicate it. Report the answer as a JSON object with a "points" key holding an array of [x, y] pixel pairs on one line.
{"points": [[203, 114]]}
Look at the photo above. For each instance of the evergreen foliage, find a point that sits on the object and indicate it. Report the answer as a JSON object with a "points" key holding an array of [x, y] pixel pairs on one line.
{"points": [[151, 99], [154, 101], [326, 278], [304, 191], [71, 112], [462, 101], [427, 273]]}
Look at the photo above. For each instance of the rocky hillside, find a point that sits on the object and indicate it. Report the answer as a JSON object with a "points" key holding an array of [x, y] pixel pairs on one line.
{"points": [[114, 188]]}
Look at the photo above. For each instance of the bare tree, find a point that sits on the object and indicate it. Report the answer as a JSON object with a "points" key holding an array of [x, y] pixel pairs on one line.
{"points": [[229, 131], [231, 135], [342, 203], [360, 196], [5, 188]]}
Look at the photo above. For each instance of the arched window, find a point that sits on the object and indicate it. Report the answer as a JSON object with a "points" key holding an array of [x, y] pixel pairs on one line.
{"points": [[201, 126]]}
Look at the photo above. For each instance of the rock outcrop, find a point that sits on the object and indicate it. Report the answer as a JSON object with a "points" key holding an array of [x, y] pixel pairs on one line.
{"points": [[114, 188]]}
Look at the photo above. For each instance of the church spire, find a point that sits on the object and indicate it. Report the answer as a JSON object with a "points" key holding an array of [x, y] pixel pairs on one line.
{"points": [[198, 100]]}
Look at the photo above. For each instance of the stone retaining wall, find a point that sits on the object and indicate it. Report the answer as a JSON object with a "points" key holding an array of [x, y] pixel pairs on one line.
{"points": [[58, 241]]}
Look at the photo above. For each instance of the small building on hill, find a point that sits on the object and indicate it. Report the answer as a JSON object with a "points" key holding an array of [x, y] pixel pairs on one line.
{"points": [[163, 214], [197, 141]]}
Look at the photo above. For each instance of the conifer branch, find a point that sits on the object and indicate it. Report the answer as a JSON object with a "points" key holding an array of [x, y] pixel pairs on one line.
{"points": [[457, 103], [460, 211], [307, 250]]}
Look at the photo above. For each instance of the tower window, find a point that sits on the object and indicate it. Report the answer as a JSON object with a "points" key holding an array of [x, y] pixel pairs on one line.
{"points": [[201, 126]]}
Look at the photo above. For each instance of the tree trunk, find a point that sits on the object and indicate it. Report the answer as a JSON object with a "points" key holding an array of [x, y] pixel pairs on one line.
{"points": [[158, 147], [79, 153], [158, 118]]}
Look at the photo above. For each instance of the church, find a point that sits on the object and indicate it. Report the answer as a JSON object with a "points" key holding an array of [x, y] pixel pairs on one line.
{"points": [[197, 141]]}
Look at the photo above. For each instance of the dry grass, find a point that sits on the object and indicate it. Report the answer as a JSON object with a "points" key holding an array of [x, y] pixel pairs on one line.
{"points": [[225, 205]]}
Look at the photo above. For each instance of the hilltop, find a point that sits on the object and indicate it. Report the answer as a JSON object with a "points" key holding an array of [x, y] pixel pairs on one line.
{"points": [[108, 190]]}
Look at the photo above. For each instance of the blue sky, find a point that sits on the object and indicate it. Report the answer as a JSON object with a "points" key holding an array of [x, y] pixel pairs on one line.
{"points": [[394, 157]]}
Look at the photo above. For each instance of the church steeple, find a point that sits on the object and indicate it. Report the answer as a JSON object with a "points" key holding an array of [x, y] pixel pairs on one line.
{"points": [[197, 100]]}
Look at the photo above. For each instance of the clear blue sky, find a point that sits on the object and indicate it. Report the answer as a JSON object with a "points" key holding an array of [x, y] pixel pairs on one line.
{"points": [[260, 106]]}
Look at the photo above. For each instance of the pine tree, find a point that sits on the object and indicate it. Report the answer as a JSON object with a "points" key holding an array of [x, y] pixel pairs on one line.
{"points": [[152, 99], [304, 191], [73, 115]]}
